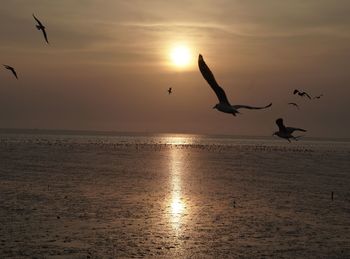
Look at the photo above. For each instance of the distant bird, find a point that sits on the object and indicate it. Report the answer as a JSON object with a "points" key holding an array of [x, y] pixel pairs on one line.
{"points": [[302, 94], [223, 105], [286, 132], [12, 69], [170, 90], [41, 27], [318, 97], [294, 104]]}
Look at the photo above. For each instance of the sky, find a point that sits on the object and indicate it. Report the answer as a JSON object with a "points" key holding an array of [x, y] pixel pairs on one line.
{"points": [[108, 65]]}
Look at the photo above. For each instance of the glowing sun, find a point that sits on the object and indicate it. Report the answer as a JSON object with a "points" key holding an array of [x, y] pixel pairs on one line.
{"points": [[180, 56]]}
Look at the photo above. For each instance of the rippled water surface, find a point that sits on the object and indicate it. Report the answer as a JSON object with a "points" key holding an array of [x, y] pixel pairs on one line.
{"points": [[173, 196]]}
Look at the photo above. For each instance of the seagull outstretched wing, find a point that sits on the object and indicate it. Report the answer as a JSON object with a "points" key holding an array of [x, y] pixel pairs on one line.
{"points": [[37, 20], [251, 107], [291, 129], [45, 36], [308, 96], [318, 97], [209, 77], [12, 70], [294, 104]]}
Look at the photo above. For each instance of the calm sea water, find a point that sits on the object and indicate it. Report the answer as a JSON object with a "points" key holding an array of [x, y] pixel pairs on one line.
{"points": [[172, 196]]}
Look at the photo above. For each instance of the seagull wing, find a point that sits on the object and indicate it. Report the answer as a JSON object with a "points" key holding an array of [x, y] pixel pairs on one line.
{"points": [[209, 77], [291, 130], [45, 36], [280, 125], [296, 105], [251, 107], [14, 72], [37, 20]]}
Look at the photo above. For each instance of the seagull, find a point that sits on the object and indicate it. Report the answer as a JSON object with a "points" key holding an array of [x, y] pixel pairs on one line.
{"points": [[302, 94], [286, 132], [170, 90], [318, 97], [41, 27], [294, 104], [223, 105], [12, 69]]}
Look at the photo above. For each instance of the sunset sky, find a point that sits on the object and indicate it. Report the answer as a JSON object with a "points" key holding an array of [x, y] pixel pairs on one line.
{"points": [[108, 65]]}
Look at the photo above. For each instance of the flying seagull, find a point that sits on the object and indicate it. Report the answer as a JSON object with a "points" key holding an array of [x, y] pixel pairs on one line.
{"points": [[294, 104], [286, 132], [170, 90], [223, 105], [12, 69], [318, 97], [302, 94], [41, 27]]}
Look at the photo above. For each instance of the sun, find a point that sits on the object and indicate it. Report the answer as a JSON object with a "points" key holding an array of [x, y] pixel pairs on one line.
{"points": [[180, 56]]}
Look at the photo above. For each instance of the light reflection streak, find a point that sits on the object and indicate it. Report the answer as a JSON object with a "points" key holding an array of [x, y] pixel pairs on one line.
{"points": [[177, 206]]}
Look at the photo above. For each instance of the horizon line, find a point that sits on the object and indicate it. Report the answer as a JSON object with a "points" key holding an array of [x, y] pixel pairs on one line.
{"points": [[43, 131]]}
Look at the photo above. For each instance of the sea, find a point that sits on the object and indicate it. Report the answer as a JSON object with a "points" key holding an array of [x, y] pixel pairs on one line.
{"points": [[81, 194]]}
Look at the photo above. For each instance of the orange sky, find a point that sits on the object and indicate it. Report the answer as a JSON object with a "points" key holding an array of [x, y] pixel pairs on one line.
{"points": [[107, 67]]}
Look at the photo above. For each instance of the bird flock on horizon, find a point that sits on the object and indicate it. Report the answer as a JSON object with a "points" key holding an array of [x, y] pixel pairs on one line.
{"points": [[224, 105]]}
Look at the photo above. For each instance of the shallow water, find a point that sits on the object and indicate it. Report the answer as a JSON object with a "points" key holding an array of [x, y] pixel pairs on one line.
{"points": [[173, 196]]}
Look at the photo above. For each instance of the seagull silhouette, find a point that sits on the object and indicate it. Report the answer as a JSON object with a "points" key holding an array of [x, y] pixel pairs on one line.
{"points": [[223, 105], [41, 27], [318, 97], [12, 69], [170, 90], [286, 132], [302, 94], [294, 104]]}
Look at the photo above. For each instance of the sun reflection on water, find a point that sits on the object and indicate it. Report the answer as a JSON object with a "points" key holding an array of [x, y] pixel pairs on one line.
{"points": [[176, 205], [178, 139]]}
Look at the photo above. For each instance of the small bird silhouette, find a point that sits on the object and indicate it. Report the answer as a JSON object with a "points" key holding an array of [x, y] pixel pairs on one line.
{"points": [[12, 69], [294, 104], [41, 27], [224, 104], [286, 132], [302, 94], [170, 90]]}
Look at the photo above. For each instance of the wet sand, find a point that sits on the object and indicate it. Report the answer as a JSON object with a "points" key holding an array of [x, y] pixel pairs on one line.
{"points": [[101, 200]]}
